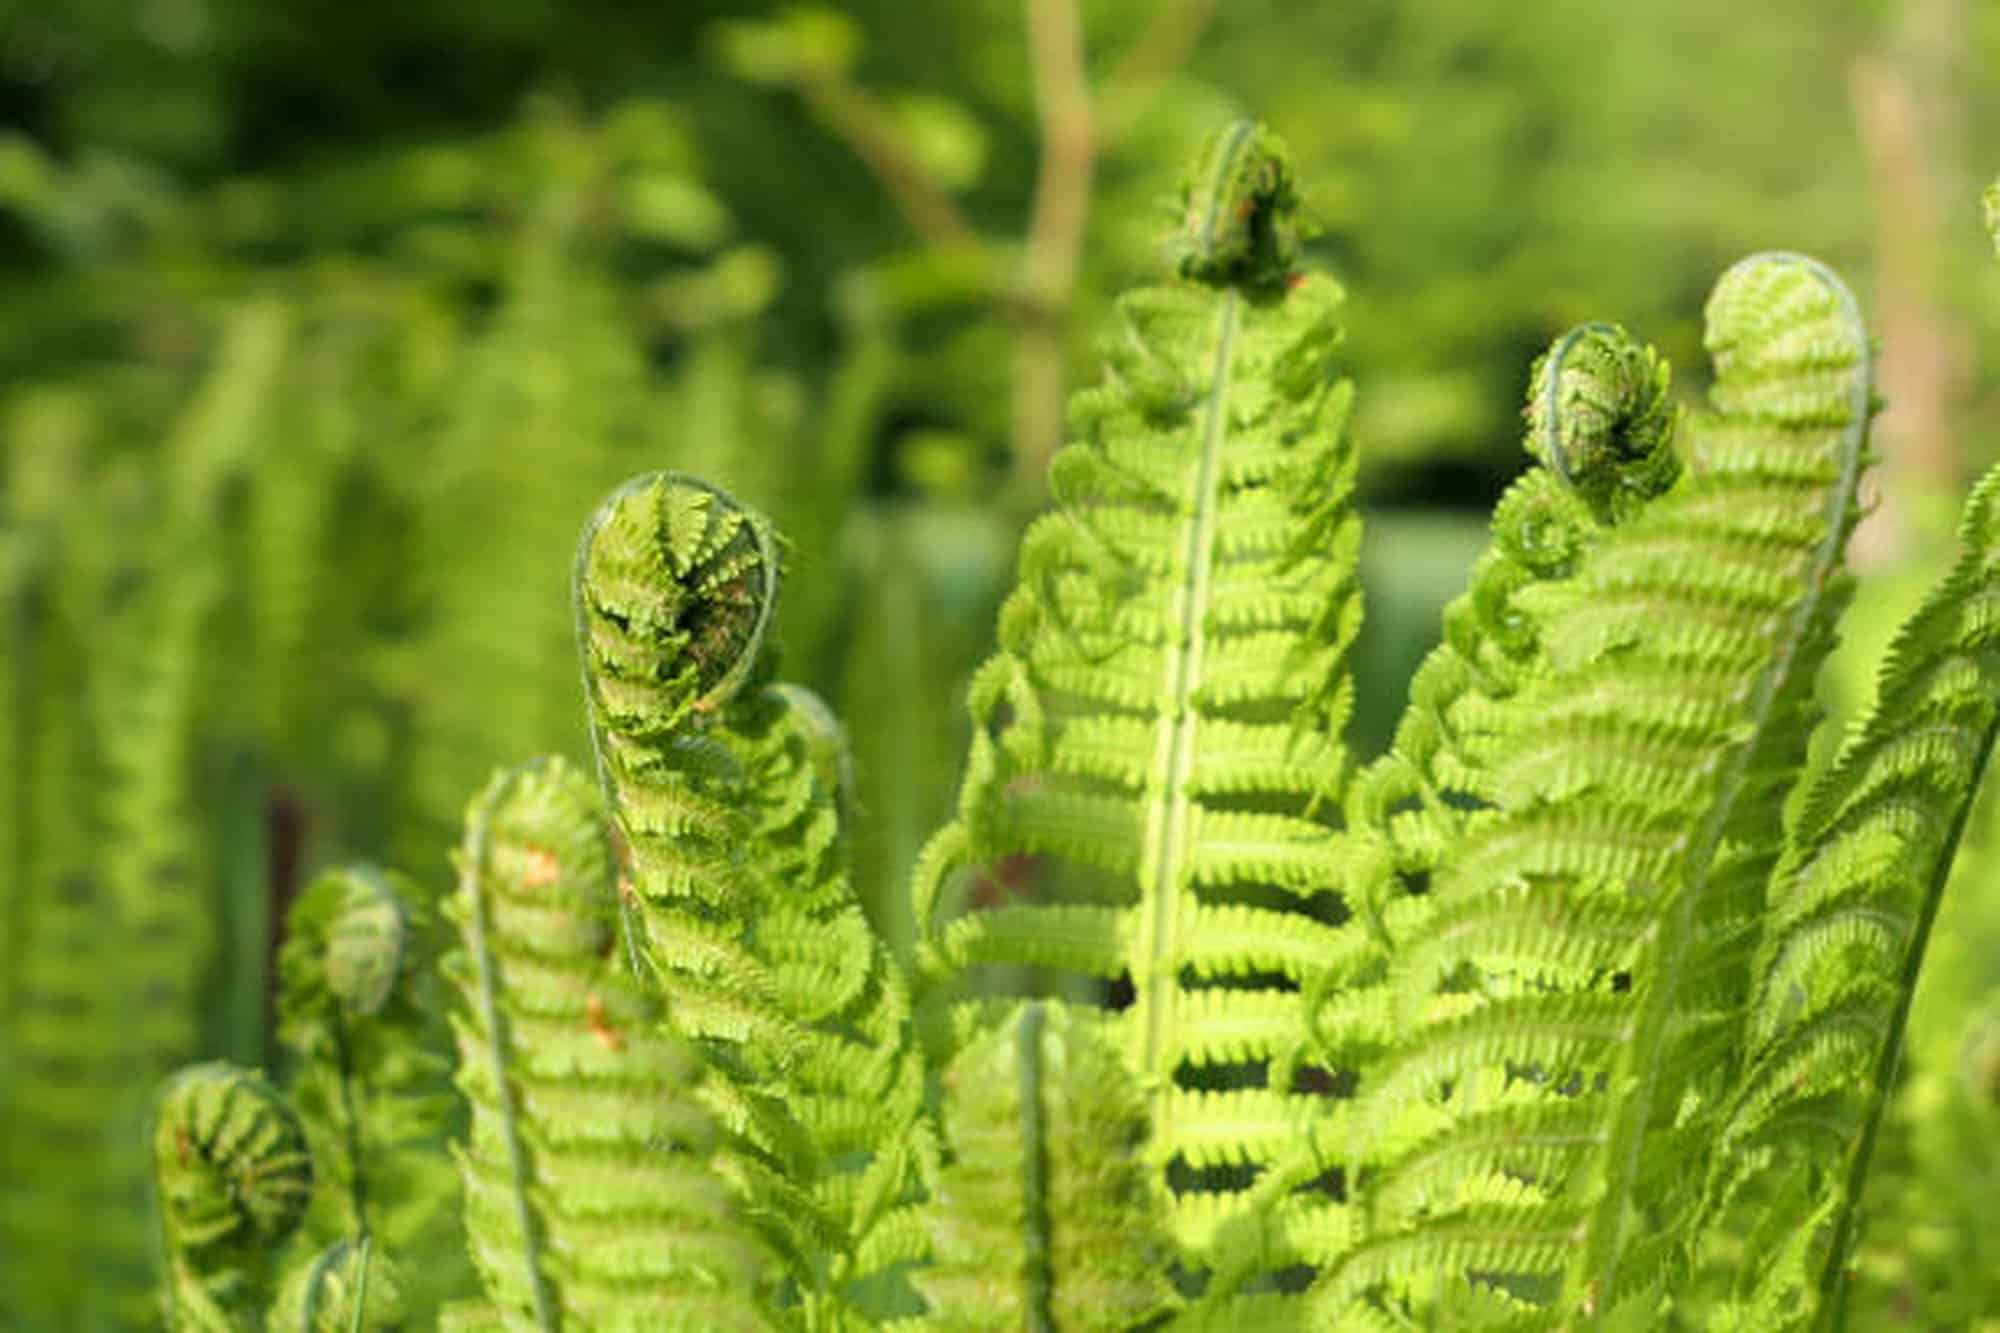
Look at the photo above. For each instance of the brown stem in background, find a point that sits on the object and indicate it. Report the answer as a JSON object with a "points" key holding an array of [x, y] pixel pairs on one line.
{"points": [[1055, 232], [1922, 358], [856, 117]]}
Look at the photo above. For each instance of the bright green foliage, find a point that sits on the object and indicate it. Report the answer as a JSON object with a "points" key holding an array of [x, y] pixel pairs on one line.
{"points": [[116, 578], [1865, 867], [1579, 1009], [589, 1199], [1568, 993], [729, 800], [857, 1087], [234, 1177], [674, 589], [361, 1007], [1046, 1216], [1156, 755], [1600, 421], [347, 1286]]}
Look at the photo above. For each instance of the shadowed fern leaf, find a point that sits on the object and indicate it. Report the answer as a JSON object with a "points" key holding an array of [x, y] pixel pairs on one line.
{"points": [[1047, 1217], [590, 1202]]}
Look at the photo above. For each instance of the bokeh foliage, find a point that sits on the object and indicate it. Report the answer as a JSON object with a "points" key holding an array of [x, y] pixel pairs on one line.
{"points": [[324, 322]]}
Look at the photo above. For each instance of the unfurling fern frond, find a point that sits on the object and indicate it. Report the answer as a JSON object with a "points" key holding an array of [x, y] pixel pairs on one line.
{"points": [[348, 1287], [729, 798], [1565, 1008], [1047, 1216], [1864, 870], [359, 1004], [674, 588], [1157, 762], [590, 1202], [234, 1177], [1600, 421]]}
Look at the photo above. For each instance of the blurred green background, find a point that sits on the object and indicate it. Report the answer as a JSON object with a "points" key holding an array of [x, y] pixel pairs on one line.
{"points": [[324, 325]]}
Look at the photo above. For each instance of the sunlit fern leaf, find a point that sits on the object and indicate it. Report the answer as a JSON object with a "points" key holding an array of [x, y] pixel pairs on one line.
{"points": [[1047, 1216], [729, 795], [1853, 903], [234, 1176], [359, 1005], [857, 1086], [1159, 738], [1600, 422], [1637, 783], [590, 1200]]}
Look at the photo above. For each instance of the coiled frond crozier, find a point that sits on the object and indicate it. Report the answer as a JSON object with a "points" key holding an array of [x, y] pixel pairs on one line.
{"points": [[727, 790], [234, 1176]]}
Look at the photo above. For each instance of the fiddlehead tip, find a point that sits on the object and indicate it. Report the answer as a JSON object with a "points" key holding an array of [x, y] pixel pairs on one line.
{"points": [[1239, 202], [1599, 415], [674, 585], [347, 937], [231, 1163]]}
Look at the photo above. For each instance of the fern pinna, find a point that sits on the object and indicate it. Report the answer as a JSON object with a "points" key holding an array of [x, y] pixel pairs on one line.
{"points": [[589, 1198]]}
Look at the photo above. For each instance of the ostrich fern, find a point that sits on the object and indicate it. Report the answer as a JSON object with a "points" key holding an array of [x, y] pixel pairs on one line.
{"points": [[1579, 1008]]}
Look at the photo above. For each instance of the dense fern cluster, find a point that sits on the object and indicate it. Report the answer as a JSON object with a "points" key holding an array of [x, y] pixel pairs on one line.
{"points": [[1580, 1007]]}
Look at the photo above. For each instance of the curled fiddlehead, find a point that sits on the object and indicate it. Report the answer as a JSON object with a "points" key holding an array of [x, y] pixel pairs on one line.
{"points": [[347, 1287], [674, 585], [234, 1177], [1601, 423], [728, 791], [1240, 225]]}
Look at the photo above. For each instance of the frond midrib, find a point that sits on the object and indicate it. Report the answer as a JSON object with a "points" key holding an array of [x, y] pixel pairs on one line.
{"points": [[1169, 802]]}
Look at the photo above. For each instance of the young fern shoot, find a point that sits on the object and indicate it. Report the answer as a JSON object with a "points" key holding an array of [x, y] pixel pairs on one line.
{"points": [[728, 790], [1157, 742]]}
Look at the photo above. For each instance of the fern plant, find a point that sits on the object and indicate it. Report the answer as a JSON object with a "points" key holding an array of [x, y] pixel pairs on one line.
{"points": [[1579, 1008]]}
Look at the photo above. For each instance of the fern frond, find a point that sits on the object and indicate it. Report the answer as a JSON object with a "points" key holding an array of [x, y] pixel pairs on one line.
{"points": [[1047, 1215], [1865, 866], [1585, 951], [1158, 740], [1600, 421], [729, 797], [589, 1194], [234, 1177]]}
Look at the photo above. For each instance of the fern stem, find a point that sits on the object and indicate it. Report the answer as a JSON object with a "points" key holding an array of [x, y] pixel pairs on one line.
{"points": [[481, 843], [1170, 808], [1605, 1235], [1035, 1221]]}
